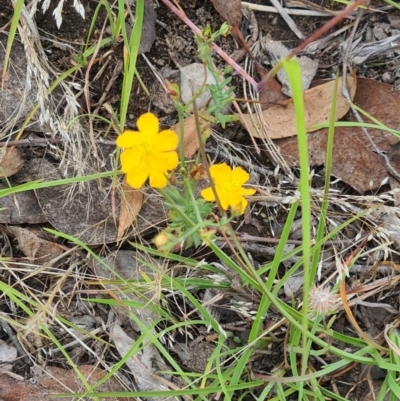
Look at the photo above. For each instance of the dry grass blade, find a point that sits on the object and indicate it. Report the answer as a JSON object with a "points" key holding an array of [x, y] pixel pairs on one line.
{"points": [[349, 313]]}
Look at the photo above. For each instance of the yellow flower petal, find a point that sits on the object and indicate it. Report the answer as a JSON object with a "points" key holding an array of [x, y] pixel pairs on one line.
{"points": [[223, 198], [237, 202], [208, 194], [239, 176], [136, 178], [246, 192], [229, 187], [220, 173], [166, 141], [129, 139], [130, 159], [148, 124], [158, 180], [171, 160]]}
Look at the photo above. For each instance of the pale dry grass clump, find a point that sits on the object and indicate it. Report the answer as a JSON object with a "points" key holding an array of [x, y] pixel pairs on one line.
{"points": [[58, 107], [57, 13]]}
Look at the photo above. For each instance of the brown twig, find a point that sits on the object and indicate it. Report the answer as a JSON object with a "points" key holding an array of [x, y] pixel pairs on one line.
{"points": [[318, 33], [45, 142]]}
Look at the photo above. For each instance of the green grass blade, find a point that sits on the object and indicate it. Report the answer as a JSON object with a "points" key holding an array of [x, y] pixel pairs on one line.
{"points": [[293, 71], [11, 36], [132, 49]]}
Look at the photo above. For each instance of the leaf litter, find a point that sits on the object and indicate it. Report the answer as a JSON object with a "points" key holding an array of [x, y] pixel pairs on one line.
{"points": [[279, 121], [131, 203], [354, 161]]}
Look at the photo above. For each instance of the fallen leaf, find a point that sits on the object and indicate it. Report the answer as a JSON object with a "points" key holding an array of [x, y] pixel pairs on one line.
{"points": [[84, 214], [230, 11], [35, 248], [353, 159], [130, 265], [280, 120], [17, 98], [277, 51], [144, 365], [131, 203], [153, 212], [190, 142], [193, 77], [271, 92], [20, 208], [8, 353], [293, 284], [11, 162]]}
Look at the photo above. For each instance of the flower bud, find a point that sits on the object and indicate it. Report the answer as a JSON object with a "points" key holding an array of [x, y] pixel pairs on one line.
{"points": [[173, 90], [161, 240]]}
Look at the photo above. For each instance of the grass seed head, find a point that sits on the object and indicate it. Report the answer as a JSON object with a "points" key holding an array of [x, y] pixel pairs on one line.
{"points": [[322, 301]]}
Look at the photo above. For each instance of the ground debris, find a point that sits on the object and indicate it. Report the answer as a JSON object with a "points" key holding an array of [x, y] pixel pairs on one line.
{"points": [[279, 121], [43, 385], [354, 162], [35, 248]]}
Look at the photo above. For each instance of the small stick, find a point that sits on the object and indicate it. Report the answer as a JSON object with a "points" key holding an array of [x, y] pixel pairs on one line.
{"points": [[45, 142], [317, 34]]}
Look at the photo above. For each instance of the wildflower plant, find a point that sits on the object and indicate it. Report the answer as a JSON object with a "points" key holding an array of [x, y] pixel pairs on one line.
{"points": [[150, 154]]}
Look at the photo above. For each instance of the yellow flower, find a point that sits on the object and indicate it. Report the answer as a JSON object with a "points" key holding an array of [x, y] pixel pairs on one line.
{"points": [[229, 187], [148, 153]]}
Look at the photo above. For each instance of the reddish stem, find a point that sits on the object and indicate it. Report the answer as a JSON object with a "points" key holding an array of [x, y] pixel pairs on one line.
{"points": [[258, 86], [216, 48]]}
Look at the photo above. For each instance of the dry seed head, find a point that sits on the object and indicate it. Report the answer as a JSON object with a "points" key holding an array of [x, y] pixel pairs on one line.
{"points": [[322, 301]]}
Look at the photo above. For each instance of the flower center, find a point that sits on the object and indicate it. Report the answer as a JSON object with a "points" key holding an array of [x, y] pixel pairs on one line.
{"points": [[147, 144]]}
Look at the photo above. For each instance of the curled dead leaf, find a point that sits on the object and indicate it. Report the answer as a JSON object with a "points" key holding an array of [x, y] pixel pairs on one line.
{"points": [[35, 248], [230, 11], [131, 203], [11, 162], [279, 121]]}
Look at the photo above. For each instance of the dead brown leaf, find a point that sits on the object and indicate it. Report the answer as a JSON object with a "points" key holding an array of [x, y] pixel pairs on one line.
{"points": [[131, 203], [353, 159], [280, 120], [190, 142], [11, 162], [230, 11], [272, 91], [35, 248]]}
